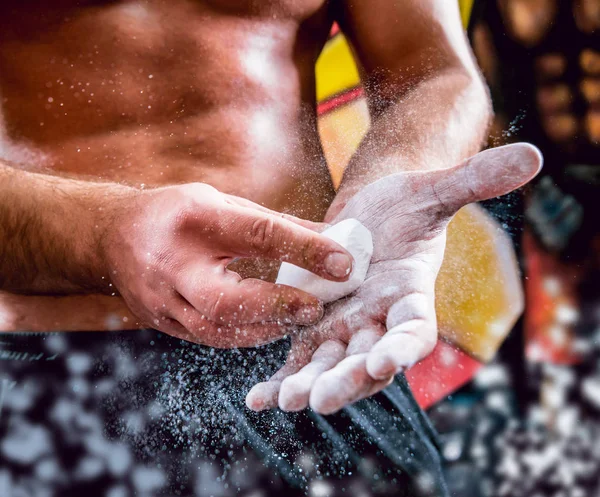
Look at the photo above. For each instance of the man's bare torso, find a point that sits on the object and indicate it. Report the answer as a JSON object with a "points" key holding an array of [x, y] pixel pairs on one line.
{"points": [[159, 92]]}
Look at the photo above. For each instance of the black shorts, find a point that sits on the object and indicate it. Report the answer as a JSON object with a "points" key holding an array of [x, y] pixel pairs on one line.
{"points": [[119, 414]]}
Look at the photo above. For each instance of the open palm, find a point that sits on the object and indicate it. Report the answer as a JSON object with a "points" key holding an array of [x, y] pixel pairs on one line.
{"points": [[389, 323]]}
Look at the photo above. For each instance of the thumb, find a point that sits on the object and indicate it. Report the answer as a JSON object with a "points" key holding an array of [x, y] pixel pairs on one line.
{"points": [[488, 174]]}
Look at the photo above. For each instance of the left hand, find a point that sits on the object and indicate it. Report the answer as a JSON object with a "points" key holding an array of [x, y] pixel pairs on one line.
{"points": [[389, 323]]}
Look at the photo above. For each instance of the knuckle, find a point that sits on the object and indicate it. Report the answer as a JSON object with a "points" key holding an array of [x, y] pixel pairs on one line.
{"points": [[183, 214], [217, 308], [261, 235], [189, 206], [333, 346], [197, 190]]}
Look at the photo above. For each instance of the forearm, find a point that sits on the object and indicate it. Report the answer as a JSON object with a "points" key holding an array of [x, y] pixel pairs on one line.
{"points": [[51, 232], [437, 123]]}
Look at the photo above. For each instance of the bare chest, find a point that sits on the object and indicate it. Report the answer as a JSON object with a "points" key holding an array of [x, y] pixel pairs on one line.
{"points": [[25, 15], [71, 67]]}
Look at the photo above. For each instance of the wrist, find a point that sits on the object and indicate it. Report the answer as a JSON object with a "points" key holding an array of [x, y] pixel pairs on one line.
{"points": [[112, 205], [53, 231]]}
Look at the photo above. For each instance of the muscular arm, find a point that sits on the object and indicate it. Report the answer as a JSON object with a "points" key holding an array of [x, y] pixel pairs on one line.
{"points": [[429, 107], [50, 232], [166, 252]]}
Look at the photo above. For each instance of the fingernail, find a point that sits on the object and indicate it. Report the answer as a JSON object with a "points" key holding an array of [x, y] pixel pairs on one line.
{"points": [[338, 265], [309, 314]]}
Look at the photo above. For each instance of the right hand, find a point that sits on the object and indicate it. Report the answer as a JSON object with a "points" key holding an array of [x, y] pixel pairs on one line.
{"points": [[167, 251]]}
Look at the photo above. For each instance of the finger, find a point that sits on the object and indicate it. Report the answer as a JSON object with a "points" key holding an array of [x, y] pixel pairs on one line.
{"points": [[376, 386], [311, 225], [364, 340], [488, 174], [401, 347], [265, 395], [175, 329], [224, 298], [295, 389], [245, 232], [200, 330], [411, 331], [343, 385], [362, 385]]}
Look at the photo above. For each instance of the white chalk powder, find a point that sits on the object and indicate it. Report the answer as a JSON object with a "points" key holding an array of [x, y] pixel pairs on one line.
{"points": [[356, 239]]}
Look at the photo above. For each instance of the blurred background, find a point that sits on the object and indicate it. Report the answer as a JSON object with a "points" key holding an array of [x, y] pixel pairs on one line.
{"points": [[530, 423]]}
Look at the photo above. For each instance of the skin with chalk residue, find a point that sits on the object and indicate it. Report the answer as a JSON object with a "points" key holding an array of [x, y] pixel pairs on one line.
{"points": [[389, 324]]}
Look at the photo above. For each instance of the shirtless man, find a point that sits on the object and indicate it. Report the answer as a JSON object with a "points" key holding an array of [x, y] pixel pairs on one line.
{"points": [[236, 102], [147, 144]]}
